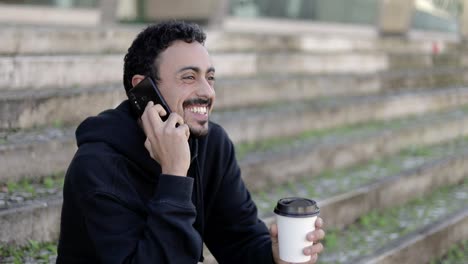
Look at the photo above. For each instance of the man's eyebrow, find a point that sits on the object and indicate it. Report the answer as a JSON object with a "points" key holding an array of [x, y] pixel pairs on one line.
{"points": [[195, 69]]}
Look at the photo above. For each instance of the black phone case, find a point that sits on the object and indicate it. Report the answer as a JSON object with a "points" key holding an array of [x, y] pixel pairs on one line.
{"points": [[144, 92]]}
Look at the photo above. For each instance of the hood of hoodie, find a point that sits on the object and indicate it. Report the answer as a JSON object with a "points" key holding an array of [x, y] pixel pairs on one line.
{"points": [[119, 129]]}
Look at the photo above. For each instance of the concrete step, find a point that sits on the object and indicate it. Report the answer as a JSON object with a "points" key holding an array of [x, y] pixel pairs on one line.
{"points": [[415, 60], [243, 125], [422, 78], [36, 220], [425, 244], [41, 152], [284, 162], [413, 233], [79, 40], [28, 108], [27, 40], [34, 72], [433, 236], [339, 209], [88, 70], [345, 194], [50, 150], [457, 253]]}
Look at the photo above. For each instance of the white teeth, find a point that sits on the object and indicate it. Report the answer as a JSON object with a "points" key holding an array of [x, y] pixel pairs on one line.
{"points": [[199, 110]]}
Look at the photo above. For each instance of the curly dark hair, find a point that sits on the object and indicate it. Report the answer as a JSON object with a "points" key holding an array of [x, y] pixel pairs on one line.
{"points": [[145, 49]]}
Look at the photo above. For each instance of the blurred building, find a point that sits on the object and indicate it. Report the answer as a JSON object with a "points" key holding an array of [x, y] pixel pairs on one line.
{"points": [[390, 17]]}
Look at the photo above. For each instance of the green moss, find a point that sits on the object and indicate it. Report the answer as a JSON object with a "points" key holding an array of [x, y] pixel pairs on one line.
{"points": [[422, 151], [58, 123], [49, 182], [242, 149], [12, 186], [458, 253], [30, 186], [377, 228], [331, 239], [33, 250]]}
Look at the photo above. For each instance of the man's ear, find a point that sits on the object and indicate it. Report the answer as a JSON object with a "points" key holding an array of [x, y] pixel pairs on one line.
{"points": [[136, 79]]}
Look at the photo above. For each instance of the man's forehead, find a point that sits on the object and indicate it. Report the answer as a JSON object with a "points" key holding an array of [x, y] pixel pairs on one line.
{"points": [[182, 55]]}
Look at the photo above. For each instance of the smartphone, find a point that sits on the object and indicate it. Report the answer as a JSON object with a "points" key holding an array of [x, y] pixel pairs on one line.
{"points": [[144, 92]]}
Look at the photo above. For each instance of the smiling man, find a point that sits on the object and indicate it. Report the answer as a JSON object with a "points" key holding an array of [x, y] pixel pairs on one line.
{"points": [[144, 190]]}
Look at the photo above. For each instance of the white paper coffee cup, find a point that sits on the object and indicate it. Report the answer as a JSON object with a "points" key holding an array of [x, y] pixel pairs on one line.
{"points": [[295, 218]]}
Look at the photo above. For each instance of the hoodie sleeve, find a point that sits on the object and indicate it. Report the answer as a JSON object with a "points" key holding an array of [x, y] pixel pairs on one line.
{"points": [[234, 234], [163, 233]]}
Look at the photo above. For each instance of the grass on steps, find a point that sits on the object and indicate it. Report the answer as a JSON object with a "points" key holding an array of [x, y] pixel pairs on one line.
{"points": [[332, 182], [457, 254], [34, 252], [377, 228]]}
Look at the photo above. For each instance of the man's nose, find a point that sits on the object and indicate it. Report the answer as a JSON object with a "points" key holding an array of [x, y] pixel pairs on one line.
{"points": [[205, 89]]}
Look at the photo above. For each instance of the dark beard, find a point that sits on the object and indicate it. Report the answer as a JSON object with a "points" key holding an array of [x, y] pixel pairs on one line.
{"points": [[197, 133]]}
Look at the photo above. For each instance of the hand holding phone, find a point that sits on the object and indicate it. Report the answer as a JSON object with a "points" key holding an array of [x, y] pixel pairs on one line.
{"points": [[145, 92], [167, 141]]}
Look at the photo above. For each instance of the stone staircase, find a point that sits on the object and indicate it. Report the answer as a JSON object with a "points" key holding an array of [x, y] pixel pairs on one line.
{"points": [[375, 129]]}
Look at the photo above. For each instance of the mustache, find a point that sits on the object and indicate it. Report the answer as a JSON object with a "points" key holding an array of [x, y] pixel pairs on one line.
{"points": [[197, 101]]}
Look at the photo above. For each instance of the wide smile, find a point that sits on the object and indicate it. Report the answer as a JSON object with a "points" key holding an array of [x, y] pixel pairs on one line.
{"points": [[197, 109], [202, 110], [198, 112]]}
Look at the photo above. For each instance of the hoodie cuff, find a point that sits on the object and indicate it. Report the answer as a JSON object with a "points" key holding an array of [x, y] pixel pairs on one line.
{"points": [[177, 189]]}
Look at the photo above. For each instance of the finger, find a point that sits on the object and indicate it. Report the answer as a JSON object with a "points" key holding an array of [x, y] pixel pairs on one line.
{"points": [[316, 235], [155, 113], [174, 119], [149, 105], [313, 259], [186, 129], [161, 110], [153, 120], [148, 147], [319, 223], [314, 249], [274, 232], [149, 118], [146, 124], [147, 144]]}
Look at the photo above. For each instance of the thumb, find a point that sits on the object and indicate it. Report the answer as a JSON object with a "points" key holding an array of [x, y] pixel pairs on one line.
{"points": [[148, 147], [274, 233]]}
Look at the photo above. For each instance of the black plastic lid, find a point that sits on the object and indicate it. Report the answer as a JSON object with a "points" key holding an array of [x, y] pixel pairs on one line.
{"points": [[296, 207]]}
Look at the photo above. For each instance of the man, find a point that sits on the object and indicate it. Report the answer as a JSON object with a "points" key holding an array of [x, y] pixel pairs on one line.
{"points": [[152, 191]]}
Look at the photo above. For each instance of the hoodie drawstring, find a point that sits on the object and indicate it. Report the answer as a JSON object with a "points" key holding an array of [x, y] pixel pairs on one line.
{"points": [[199, 204]]}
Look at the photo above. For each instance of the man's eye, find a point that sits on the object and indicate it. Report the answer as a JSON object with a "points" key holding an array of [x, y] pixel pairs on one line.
{"points": [[189, 77], [211, 78]]}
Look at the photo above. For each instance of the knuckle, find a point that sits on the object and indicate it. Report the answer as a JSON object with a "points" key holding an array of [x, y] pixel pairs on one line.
{"points": [[314, 258], [320, 234], [158, 107], [318, 248], [320, 222], [182, 132], [166, 131]]}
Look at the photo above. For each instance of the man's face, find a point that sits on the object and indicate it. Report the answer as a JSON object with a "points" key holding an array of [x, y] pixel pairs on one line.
{"points": [[187, 83]]}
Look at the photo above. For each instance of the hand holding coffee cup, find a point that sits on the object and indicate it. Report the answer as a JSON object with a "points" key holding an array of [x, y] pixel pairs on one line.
{"points": [[295, 219]]}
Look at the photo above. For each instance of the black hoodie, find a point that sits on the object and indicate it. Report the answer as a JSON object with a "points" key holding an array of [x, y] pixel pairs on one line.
{"points": [[119, 208]]}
